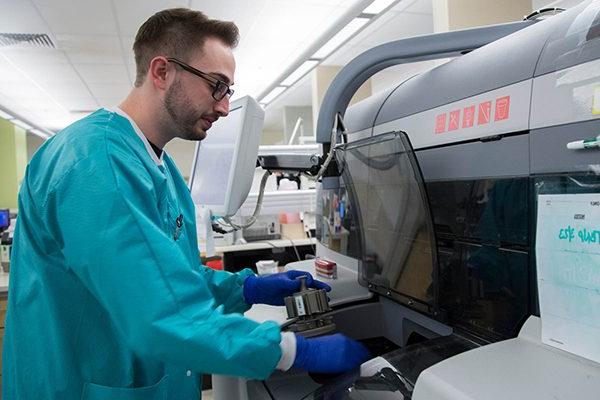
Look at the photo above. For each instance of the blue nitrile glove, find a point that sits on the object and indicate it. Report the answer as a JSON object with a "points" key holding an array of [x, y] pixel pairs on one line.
{"points": [[329, 354], [272, 289]]}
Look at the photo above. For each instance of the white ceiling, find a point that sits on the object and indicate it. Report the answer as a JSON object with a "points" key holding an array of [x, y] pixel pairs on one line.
{"points": [[92, 65], [407, 18]]}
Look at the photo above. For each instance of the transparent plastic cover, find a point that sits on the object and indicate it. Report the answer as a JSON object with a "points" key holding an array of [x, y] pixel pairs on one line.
{"points": [[383, 181]]}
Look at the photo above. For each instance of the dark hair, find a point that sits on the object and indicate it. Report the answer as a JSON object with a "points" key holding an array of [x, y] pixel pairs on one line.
{"points": [[177, 32]]}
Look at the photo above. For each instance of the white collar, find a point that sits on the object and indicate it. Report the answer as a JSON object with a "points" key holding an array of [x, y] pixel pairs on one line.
{"points": [[141, 135]]}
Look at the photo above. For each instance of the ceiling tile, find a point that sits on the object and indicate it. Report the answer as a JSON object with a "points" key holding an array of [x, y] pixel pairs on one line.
{"points": [[92, 17], [63, 91], [91, 48], [102, 73], [110, 102], [131, 14], [8, 73], [345, 54], [35, 56], [50, 73], [231, 10], [393, 27], [74, 104], [96, 36], [415, 6], [20, 16], [109, 90]]}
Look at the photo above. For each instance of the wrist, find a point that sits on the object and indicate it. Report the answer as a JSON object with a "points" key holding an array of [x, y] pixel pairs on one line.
{"points": [[301, 352], [288, 351], [249, 290]]}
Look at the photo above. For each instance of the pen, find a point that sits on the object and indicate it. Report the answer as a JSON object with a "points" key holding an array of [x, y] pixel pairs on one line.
{"points": [[584, 144]]}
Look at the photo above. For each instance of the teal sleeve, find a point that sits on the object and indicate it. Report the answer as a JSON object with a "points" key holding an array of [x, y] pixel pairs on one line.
{"points": [[227, 288], [104, 212]]}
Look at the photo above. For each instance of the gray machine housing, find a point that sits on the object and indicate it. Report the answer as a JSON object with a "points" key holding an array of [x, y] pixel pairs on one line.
{"points": [[540, 85], [537, 86]]}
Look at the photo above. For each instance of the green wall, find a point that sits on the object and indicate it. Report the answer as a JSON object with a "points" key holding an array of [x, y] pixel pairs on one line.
{"points": [[13, 160]]}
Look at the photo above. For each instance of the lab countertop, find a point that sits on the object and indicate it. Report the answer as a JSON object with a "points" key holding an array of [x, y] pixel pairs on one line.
{"points": [[223, 249], [265, 244]]}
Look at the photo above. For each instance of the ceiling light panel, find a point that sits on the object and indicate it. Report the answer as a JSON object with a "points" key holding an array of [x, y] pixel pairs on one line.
{"points": [[378, 6], [355, 25], [304, 68], [281, 30], [273, 94]]}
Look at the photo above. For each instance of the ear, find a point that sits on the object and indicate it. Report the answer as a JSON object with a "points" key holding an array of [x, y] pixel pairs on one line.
{"points": [[159, 73]]}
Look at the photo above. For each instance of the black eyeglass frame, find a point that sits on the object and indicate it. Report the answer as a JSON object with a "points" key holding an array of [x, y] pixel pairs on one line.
{"points": [[221, 89]]}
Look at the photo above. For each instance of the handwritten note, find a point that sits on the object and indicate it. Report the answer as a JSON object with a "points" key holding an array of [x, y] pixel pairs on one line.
{"points": [[568, 272]]}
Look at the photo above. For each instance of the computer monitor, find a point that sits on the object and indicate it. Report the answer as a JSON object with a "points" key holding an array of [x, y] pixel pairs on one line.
{"points": [[4, 219], [224, 163]]}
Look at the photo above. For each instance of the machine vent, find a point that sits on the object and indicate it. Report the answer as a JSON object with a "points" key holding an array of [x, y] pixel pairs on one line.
{"points": [[26, 40]]}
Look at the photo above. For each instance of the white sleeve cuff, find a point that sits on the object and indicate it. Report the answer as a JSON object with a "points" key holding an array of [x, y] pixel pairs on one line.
{"points": [[288, 351]]}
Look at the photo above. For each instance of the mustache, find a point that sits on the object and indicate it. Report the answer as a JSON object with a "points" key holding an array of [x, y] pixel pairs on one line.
{"points": [[211, 117]]}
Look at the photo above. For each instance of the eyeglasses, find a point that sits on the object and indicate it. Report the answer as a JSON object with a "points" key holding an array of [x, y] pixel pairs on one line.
{"points": [[221, 89]]}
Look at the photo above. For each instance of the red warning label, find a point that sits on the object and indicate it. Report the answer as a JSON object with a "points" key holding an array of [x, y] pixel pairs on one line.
{"points": [[502, 108], [454, 122], [451, 121], [468, 117], [485, 110], [440, 123]]}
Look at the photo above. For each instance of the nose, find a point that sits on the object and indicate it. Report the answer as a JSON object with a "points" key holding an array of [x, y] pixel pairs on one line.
{"points": [[222, 106]]}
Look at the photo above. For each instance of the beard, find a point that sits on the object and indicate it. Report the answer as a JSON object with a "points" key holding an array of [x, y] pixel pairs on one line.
{"points": [[185, 118]]}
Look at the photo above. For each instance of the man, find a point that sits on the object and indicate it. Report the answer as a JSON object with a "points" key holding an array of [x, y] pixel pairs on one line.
{"points": [[107, 296]]}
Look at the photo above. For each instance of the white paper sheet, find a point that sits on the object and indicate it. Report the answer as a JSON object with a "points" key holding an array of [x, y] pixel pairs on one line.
{"points": [[568, 272]]}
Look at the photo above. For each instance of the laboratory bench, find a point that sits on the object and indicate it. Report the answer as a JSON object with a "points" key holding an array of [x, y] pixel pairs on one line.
{"points": [[239, 256]]}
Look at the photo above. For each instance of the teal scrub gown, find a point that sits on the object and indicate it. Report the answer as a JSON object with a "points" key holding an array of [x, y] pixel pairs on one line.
{"points": [[108, 298]]}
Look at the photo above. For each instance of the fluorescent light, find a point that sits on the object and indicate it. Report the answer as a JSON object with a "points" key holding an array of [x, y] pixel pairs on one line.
{"points": [[22, 124], [32, 81], [355, 25], [299, 72], [6, 116], [272, 94], [378, 6]]}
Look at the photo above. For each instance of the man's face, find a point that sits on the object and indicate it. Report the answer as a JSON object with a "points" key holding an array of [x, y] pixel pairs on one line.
{"points": [[189, 102]]}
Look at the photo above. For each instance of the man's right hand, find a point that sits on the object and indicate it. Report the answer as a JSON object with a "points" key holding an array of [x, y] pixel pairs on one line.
{"points": [[329, 354]]}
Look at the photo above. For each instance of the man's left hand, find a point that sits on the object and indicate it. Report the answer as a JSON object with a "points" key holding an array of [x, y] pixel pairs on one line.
{"points": [[272, 289]]}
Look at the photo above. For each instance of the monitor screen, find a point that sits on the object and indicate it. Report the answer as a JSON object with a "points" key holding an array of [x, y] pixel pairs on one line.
{"points": [[224, 163], [4, 219]]}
